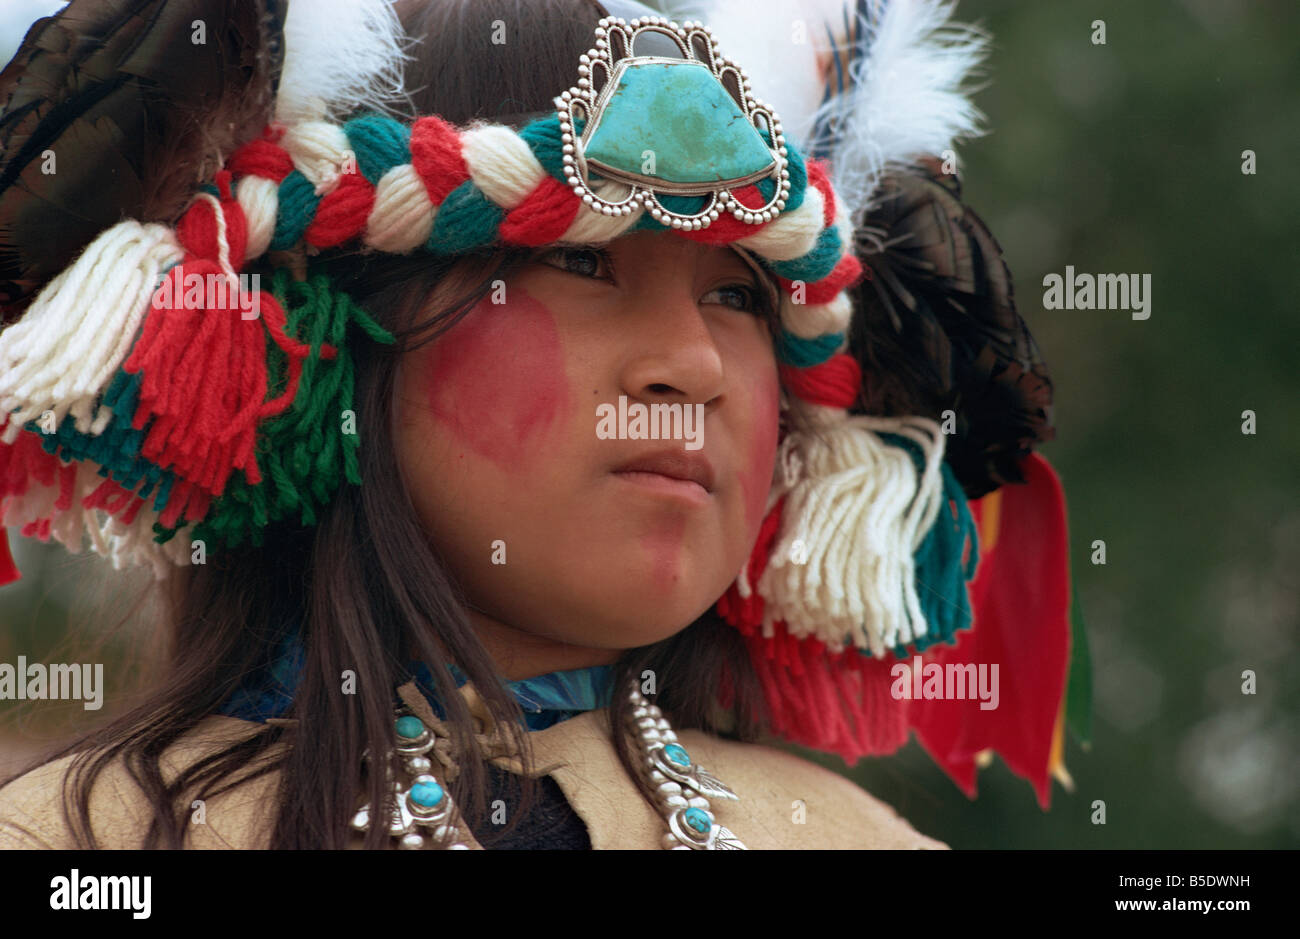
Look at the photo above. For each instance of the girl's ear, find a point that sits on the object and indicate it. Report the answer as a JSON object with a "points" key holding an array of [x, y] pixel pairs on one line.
{"points": [[115, 110]]}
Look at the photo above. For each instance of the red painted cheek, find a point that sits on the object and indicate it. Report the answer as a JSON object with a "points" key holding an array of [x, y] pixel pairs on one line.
{"points": [[756, 476], [496, 379]]}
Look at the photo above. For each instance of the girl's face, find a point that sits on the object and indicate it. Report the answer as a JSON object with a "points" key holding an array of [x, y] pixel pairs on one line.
{"points": [[573, 534]]}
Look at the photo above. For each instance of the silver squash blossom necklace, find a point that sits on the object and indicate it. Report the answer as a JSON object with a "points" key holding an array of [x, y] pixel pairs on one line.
{"points": [[423, 813]]}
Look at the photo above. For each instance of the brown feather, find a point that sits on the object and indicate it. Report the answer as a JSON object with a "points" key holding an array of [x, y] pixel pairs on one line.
{"points": [[136, 114]]}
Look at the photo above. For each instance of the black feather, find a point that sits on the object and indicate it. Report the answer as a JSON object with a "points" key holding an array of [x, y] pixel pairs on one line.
{"points": [[937, 328]]}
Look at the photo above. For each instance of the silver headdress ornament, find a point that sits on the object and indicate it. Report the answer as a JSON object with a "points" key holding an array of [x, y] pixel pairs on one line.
{"points": [[661, 125]]}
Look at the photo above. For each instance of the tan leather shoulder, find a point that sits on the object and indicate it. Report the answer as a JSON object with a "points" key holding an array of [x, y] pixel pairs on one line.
{"points": [[785, 802], [789, 802], [32, 816]]}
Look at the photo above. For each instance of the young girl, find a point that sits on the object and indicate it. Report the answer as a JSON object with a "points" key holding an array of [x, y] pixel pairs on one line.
{"points": [[523, 429]]}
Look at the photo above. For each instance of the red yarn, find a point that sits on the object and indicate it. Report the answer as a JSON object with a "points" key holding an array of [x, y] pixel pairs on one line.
{"points": [[834, 383], [437, 157], [261, 158], [204, 376], [844, 275], [819, 176], [342, 213], [543, 217], [25, 461]]}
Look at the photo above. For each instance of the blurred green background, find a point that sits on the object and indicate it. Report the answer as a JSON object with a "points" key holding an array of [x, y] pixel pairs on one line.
{"points": [[1123, 157]]}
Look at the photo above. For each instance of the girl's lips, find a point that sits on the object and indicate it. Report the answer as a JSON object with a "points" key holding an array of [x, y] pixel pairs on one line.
{"points": [[666, 485]]}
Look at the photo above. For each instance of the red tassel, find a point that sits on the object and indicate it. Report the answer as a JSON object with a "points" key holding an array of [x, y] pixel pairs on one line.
{"points": [[204, 376]]}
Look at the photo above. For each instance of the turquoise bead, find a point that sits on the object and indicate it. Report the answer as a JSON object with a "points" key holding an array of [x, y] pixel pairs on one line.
{"points": [[409, 727], [679, 112], [677, 755], [427, 794], [698, 819]]}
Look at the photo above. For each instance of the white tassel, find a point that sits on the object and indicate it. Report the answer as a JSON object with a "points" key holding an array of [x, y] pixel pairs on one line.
{"points": [[861, 510], [340, 55], [62, 354]]}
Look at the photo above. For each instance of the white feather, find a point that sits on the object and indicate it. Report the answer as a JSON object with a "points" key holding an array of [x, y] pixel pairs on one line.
{"points": [[340, 55], [907, 97]]}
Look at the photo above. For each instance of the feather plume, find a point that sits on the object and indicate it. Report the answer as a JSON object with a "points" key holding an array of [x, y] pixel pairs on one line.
{"points": [[899, 96], [122, 108], [341, 55]]}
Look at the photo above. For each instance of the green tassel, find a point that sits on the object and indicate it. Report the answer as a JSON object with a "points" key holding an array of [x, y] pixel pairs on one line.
{"points": [[304, 453]]}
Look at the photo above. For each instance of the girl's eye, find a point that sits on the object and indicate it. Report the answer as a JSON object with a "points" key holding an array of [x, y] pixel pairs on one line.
{"points": [[739, 296], [585, 262]]}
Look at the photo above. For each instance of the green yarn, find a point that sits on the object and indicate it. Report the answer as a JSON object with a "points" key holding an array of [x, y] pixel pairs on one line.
{"points": [[467, 219], [805, 353], [543, 138], [297, 207], [380, 143], [304, 453], [940, 574], [818, 263], [117, 448]]}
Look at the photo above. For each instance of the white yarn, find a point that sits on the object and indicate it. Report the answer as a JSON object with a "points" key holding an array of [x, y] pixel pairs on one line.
{"points": [[860, 509], [791, 234], [809, 320], [592, 228], [501, 163], [340, 55], [61, 355], [259, 198], [402, 217], [319, 151]]}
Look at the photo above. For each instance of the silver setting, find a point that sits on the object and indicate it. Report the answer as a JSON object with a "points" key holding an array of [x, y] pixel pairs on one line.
{"points": [[590, 103], [677, 790]]}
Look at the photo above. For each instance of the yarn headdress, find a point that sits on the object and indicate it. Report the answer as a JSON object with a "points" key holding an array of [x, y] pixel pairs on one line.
{"points": [[161, 417]]}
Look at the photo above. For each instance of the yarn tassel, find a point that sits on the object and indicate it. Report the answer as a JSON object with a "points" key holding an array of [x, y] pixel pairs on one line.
{"points": [[204, 370], [307, 450], [858, 510], [62, 354]]}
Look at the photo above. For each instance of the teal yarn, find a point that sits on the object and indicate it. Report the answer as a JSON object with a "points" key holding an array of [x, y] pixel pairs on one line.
{"points": [[297, 207], [304, 453], [940, 573], [467, 219], [117, 449], [805, 353], [380, 143], [818, 263], [543, 138]]}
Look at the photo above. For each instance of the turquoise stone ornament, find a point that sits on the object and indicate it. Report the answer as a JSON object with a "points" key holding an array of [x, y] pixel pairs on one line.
{"points": [[677, 755], [426, 794], [698, 820], [409, 727], [673, 122], [671, 127]]}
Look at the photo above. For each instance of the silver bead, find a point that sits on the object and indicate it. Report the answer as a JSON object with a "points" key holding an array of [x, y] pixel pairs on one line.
{"points": [[418, 765], [669, 788], [656, 777], [698, 802], [675, 802], [459, 847], [670, 841], [413, 841]]}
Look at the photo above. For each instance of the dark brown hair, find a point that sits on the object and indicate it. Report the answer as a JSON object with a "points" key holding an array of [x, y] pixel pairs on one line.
{"points": [[363, 588]]}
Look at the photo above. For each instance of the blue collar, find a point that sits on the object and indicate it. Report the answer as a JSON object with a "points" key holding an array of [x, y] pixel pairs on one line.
{"points": [[545, 699]]}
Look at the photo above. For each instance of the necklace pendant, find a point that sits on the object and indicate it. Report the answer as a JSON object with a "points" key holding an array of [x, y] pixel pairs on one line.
{"points": [[682, 787], [422, 812]]}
